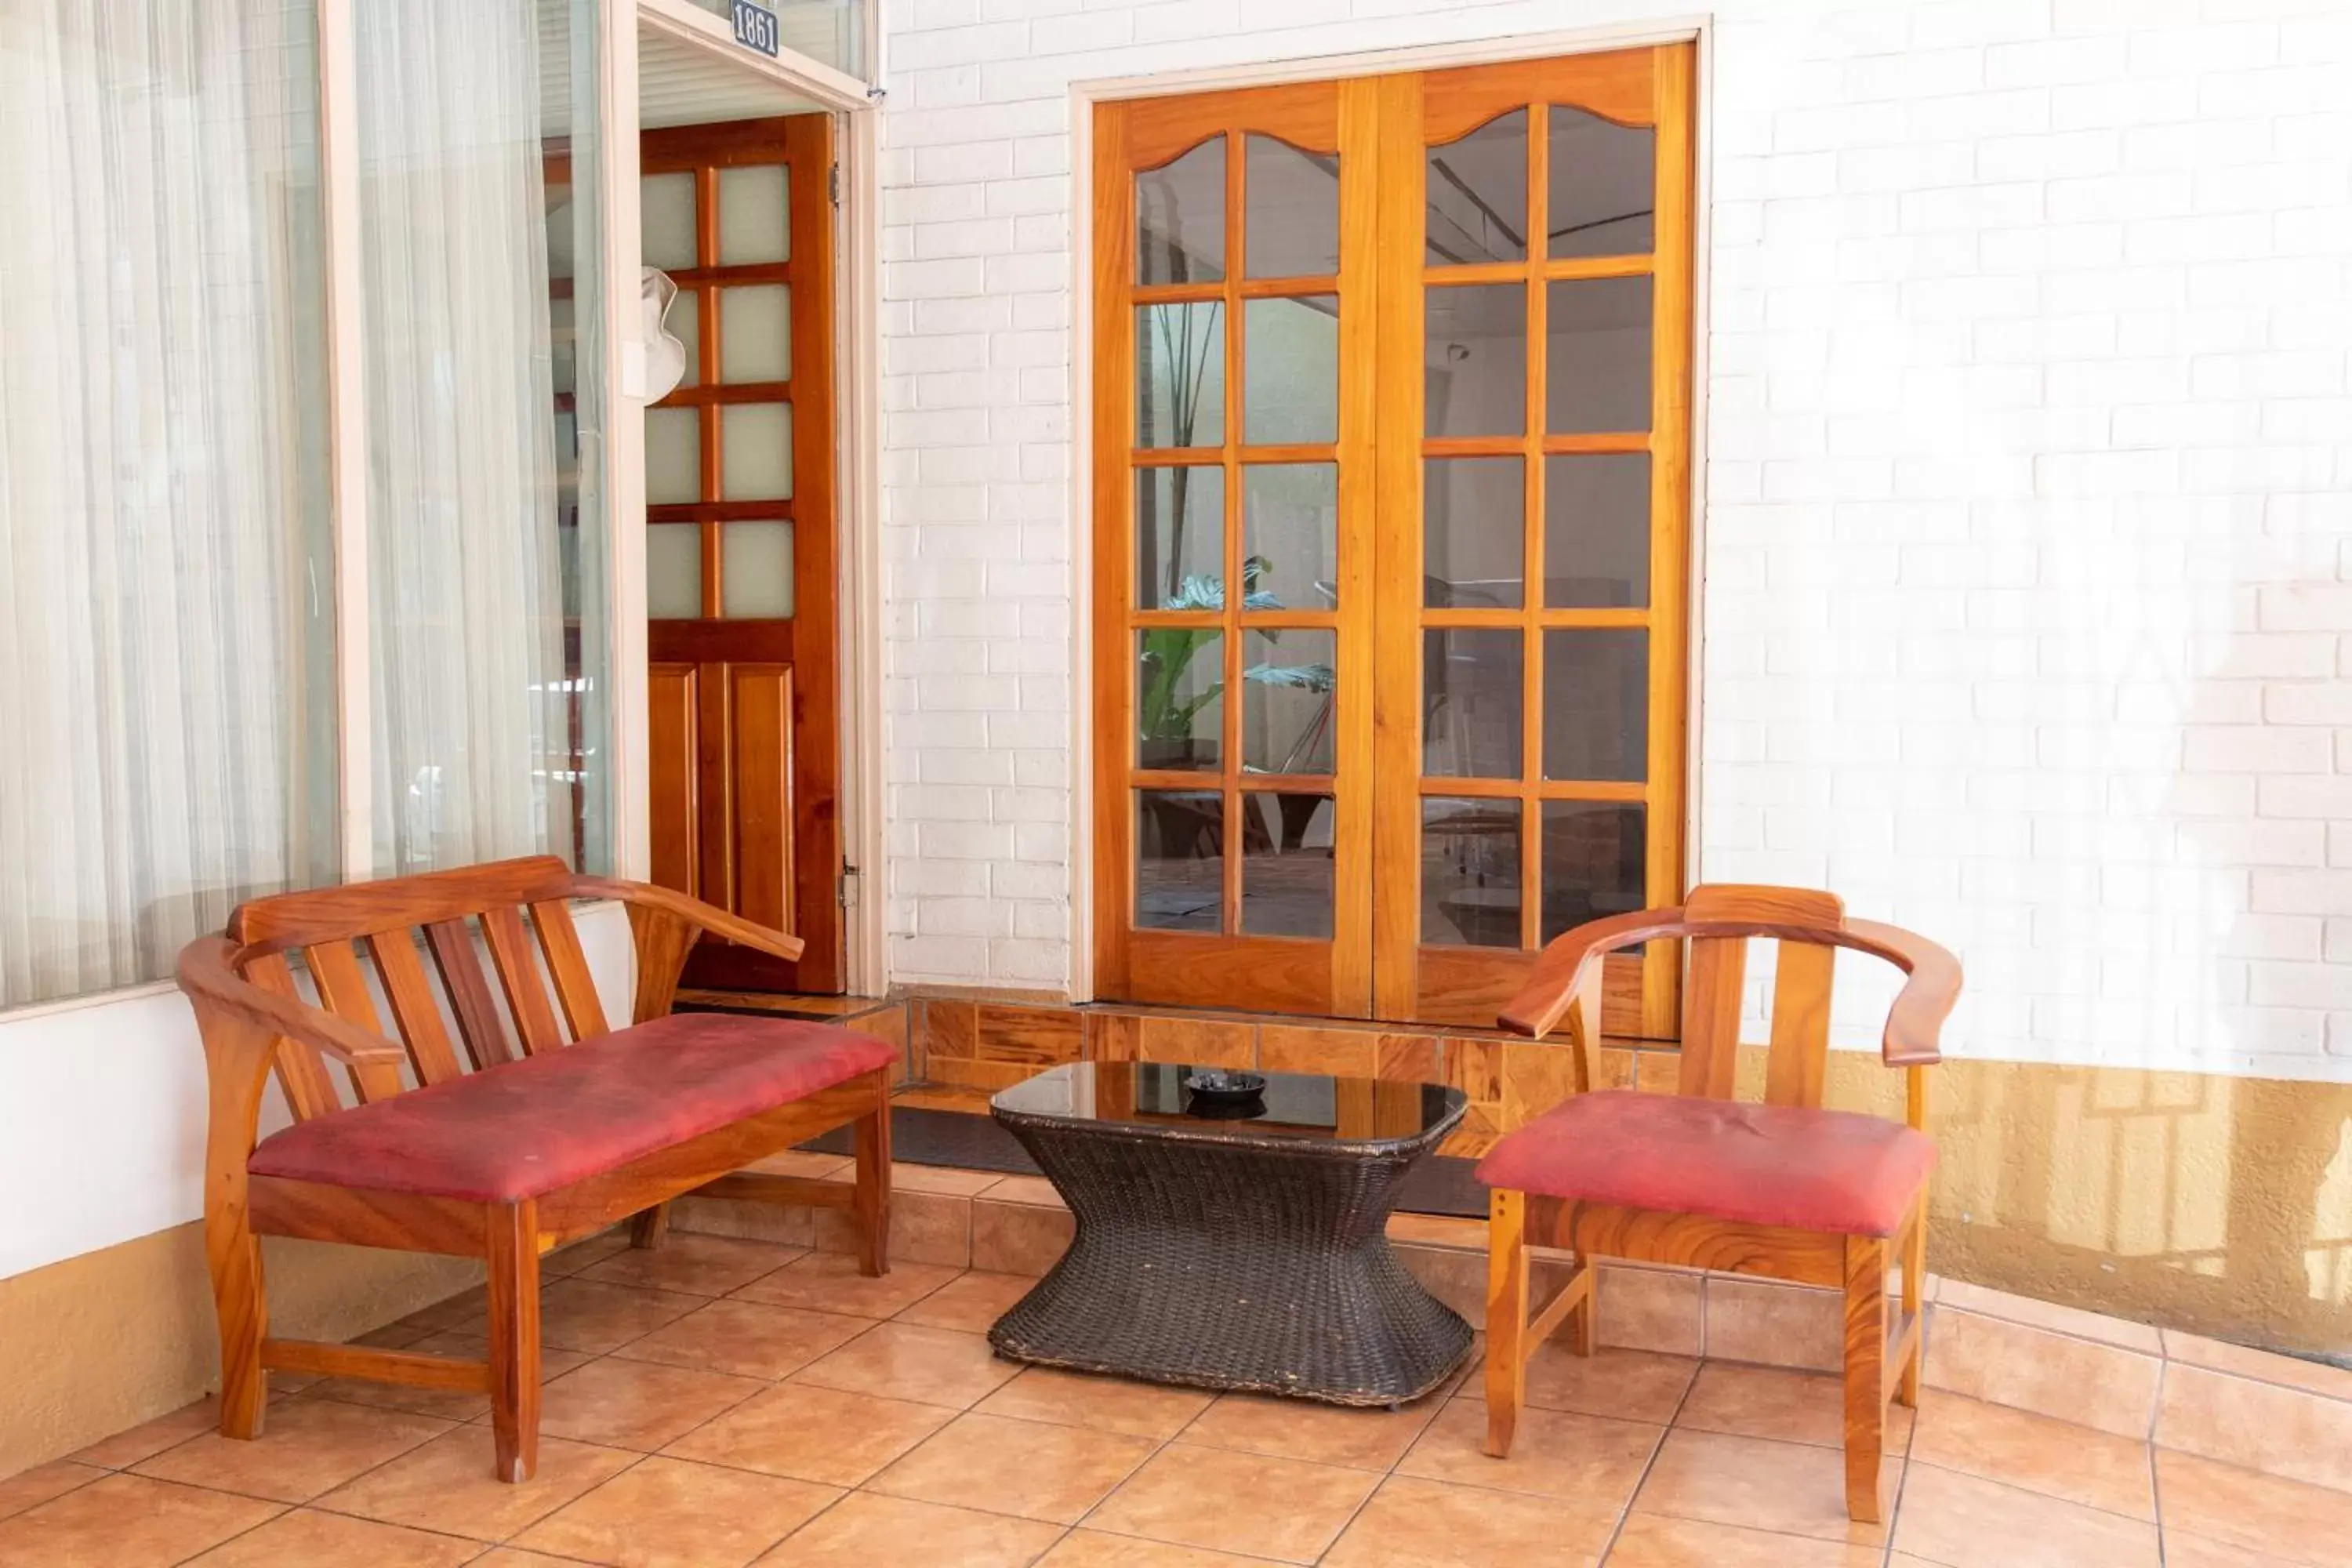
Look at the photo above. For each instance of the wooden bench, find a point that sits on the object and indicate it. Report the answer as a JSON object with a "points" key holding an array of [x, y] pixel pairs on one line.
{"points": [[543, 1133]]}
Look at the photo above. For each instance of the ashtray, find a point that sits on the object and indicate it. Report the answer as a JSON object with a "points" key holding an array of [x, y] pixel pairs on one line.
{"points": [[1214, 1089]]}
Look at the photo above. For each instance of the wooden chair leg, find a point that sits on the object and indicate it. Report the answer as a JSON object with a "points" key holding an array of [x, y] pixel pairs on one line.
{"points": [[1507, 1317], [1865, 1374], [1584, 1318], [1915, 1305], [235, 1254], [649, 1229], [871, 1202], [513, 1249]]}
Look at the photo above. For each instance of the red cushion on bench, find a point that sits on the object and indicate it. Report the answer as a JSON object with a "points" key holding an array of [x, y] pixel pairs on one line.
{"points": [[1828, 1171], [524, 1128]]}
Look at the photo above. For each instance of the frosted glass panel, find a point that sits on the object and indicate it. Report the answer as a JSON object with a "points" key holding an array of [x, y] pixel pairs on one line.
{"points": [[684, 324], [674, 571], [758, 580], [757, 441], [753, 224], [666, 203], [755, 327], [673, 456]]}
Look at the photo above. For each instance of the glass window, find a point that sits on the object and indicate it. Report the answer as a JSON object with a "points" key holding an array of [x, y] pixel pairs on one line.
{"points": [[166, 676], [489, 686]]}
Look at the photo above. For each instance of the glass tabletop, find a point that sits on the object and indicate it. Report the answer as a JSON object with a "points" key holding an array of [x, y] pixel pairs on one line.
{"points": [[1293, 1105]]}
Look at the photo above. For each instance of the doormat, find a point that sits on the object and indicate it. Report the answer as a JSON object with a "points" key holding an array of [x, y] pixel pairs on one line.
{"points": [[1441, 1184]]}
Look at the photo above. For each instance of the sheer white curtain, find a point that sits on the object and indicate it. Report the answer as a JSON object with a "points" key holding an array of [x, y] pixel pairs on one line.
{"points": [[467, 601], [166, 694]]}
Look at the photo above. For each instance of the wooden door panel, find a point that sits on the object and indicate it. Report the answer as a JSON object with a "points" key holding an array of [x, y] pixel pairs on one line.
{"points": [[672, 699], [760, 755], [747, 697]]}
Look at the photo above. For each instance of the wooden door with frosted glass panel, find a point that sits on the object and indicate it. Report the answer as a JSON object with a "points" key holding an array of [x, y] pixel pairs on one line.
{"points": [[1232, 594], [743, 677], [1476, 568], [1533, 504]]}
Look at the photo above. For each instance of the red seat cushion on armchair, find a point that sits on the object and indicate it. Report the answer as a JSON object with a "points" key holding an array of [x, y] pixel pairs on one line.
{"points": [[525, 1128], [1830, 1171]]}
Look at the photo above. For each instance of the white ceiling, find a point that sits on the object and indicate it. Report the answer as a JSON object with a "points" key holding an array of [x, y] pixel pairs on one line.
{"points": [[678, 84]]}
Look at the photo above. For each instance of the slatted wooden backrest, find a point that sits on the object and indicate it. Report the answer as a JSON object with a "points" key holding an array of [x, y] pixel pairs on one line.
{"points": [[1801, 992], [327, 927]]}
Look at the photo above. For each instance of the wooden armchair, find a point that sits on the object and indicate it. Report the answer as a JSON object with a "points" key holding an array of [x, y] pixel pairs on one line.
{"points": [[1784, 1188], [514, 1151]]}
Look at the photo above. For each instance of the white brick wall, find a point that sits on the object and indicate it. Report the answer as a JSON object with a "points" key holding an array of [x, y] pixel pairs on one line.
{"points": [[2028, 548]]}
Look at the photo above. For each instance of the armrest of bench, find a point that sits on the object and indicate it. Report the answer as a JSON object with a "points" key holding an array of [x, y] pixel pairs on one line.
{"points": [[665, 924], [207, 976]]}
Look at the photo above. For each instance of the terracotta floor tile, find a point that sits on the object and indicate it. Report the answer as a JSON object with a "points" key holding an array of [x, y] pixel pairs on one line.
{"points": [[2266, 1427], [516, 1557], [1786, 1406], [1034, 1190], [2222, 1504], [925, 1227], [972, 1302], [635, 1403], [830, 1282], [812, 1433], [1105, 1404], [1031, 1468], [1193, 1497], [904, 1360], [468, 1312], [588, 1250], [668, 1513], [440, 1403], [1651, 1541], [2195, 1551], [1413, 1523], [149, 1439], [694, 1265], [863, 1531], [1782, 1325], [2053, 1374], [945, 1179], [589, 1316], [1301, 1429], [305, 1538], [1589, 1459], [447, 1485], [1632, 1385], [1969, 1522], [1794, 1488], [305, 1447], [1097, 1549], [30, 1488], [126, 1521], [2056, 1459], [749, 1339]]}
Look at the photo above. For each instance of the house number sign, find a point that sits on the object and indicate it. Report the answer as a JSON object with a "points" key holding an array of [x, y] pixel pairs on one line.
{"points": [[755, 26]]}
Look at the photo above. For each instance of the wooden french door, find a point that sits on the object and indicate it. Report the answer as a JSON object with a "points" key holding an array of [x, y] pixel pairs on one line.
{"points": [[1391, 483], [743, 677]]}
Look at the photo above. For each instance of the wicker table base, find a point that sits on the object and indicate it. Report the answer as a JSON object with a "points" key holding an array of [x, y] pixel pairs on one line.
{"points": [[1210, 1257]]}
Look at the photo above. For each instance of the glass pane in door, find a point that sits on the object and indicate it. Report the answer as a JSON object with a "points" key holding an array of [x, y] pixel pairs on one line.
{"points": [[755, 332], [1596, 703], [1291, 538], [756, 576], [1598, 355], [1592, 863], [1179, 374], [1290, 686], [1473, 543], [754, 215], [1471, 685], [1293, 202], [1180, 682], [1478, 194], [1290, 370], [666, 221], [674, 571], [1596, 546], [1287, 865], [1179, 218], [1601, 198], [1180, 538], [756, 450], [1470, 872], [1474, 354], [1180, 860]]}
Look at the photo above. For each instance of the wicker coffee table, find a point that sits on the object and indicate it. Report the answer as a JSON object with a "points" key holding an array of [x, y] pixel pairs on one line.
{"points": [[1247, 1251]]}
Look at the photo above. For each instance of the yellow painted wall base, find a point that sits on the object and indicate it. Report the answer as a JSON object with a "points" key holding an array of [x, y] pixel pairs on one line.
{"points": [[99, 1342]]}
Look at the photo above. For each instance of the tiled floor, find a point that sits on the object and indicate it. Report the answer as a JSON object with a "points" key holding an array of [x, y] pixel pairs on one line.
{"points": [[726, 1401]]}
